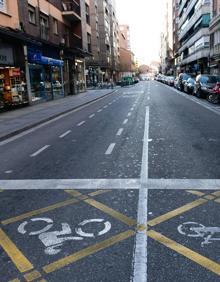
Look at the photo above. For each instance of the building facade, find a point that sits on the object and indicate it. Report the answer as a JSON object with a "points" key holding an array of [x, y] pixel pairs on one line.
{"points": [[193, 35], [215, 37]]}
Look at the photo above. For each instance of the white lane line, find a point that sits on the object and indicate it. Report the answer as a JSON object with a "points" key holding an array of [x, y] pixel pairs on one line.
{"points": [[131, 109], [120, 131], [39, 151], [8, 171], [125, 121], [105, 107], [81, 123], [109, 104], [110, 149], [99, 111], [140, 254], [148, 98], [65, 134], [91, 116], [129, 114]]}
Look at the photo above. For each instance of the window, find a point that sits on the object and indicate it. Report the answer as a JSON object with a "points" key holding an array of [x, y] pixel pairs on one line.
{"points": [[89, 42], [31, 14], [87, 15], [3, 5], [55, 26], [44, 27]]}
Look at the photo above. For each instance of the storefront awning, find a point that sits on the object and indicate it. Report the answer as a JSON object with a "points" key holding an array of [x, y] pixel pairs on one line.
{"points": [[37, 58]]}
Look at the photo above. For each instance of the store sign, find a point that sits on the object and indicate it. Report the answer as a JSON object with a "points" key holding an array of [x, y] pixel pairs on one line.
{"points": [[6, 55]]}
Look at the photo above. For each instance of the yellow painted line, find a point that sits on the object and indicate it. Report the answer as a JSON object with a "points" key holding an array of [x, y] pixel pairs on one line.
{"points": [[39, 211], [32, 276], [20, 261], [176, 212], [196, 257], [15, 280], [209, 197], [82, 197], [87, 251], [119, 216], [197, 193], [73, 193], [217, 200], [42, 280], [99, 192], [217, 193]]}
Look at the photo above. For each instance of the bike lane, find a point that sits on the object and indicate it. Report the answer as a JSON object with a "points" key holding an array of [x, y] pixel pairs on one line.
{"points": [[183, 235], [78, 236]]}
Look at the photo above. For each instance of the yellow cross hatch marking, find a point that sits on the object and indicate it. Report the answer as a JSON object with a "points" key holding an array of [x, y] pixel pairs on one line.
{"points": [[20, 261], [176, 212], [210, 197], [217, 193], [40, 211], [119, 216], [197, 193], [99, 192], [196, 257], [87, 251], [15, 280], [32, 276]]}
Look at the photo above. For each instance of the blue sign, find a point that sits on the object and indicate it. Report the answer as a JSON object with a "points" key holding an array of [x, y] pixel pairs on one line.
{"points": [[37, 58]]}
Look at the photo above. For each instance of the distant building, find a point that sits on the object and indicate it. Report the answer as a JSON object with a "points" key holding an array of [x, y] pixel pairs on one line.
{"points": [[215, 37]]}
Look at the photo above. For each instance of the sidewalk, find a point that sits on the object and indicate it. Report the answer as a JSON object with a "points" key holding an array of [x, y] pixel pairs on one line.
{"points": [[16, 121]]}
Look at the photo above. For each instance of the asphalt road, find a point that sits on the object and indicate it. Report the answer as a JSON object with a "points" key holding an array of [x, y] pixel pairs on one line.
{"points": [[149, 133]]}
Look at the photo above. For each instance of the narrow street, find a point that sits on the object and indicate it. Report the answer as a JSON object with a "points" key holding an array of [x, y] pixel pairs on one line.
{"points": [[123, 187]]}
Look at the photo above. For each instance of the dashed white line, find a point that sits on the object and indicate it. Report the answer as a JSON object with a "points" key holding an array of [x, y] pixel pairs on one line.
{"points": [[8, 171], [39, 151], [91, 116], [105, 107], [99, 111], [131, 109], [110, 149], [64, 134], [120, 131], [81, 123], [125, 121], [129, 114]]}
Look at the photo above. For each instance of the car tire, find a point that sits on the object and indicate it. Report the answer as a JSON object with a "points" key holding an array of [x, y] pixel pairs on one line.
{"points": [[213, 98]]}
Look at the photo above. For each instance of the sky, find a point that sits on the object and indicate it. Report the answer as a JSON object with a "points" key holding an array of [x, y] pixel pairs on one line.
{"points": [[145, 18]]}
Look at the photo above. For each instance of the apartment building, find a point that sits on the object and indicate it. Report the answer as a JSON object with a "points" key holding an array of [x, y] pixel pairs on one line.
{"points": [[193, 35], [103, 66], [166, 48], [215, 37], [175, 48]]}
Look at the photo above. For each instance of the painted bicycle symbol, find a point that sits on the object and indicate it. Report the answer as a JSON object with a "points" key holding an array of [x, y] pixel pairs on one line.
{"points": [[53, 240], [194, 229]]}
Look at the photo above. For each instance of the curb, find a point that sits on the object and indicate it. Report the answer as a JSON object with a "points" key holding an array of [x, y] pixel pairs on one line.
{"points": [[11, 134]]}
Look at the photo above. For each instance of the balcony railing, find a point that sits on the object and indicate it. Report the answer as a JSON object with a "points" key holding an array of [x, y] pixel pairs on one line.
{"points": [[75, 41], [71, 10]]}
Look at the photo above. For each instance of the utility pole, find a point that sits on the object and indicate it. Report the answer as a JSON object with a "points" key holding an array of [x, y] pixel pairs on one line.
{"points": [[27, 74]]}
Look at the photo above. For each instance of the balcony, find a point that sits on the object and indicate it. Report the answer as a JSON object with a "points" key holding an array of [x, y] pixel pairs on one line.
{"points": [[205, 9], [215, 50], [198, 54], [75, 41], [71, 11], [186, 12], [215, 23]]}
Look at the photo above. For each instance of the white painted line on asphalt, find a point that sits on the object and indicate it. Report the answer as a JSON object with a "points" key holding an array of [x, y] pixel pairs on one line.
{"points": [[81, 123], [105, 107], [65, 134], [39, 151], [91, 116], [125, 121], [148, 98], [120, 131], [110, 149], [129, 114], [140, 254], [8, 171], [131, 109], [110, 103], [99, 111]]}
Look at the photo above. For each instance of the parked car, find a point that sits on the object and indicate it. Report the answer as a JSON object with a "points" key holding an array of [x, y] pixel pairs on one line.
{"points": [[181, 80], [189, 85], [205, 84], [214, 96], [170, 80], [176, 80]]}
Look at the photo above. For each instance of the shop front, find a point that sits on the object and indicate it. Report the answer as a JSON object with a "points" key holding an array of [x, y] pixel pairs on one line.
{"points": [[13, 90], [46, 77], [79, 76]]}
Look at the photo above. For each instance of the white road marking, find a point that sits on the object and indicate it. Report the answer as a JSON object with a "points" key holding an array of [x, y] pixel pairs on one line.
{"points": [[110, 149], [8, 171], [132, 109], [65, 133], [129, 114], [140, 255], [105, 107], [39, 151], [99, 111], [81, 123], [109, 104], [91, 116], [148, 98], [125, 121], [120, 131]]}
